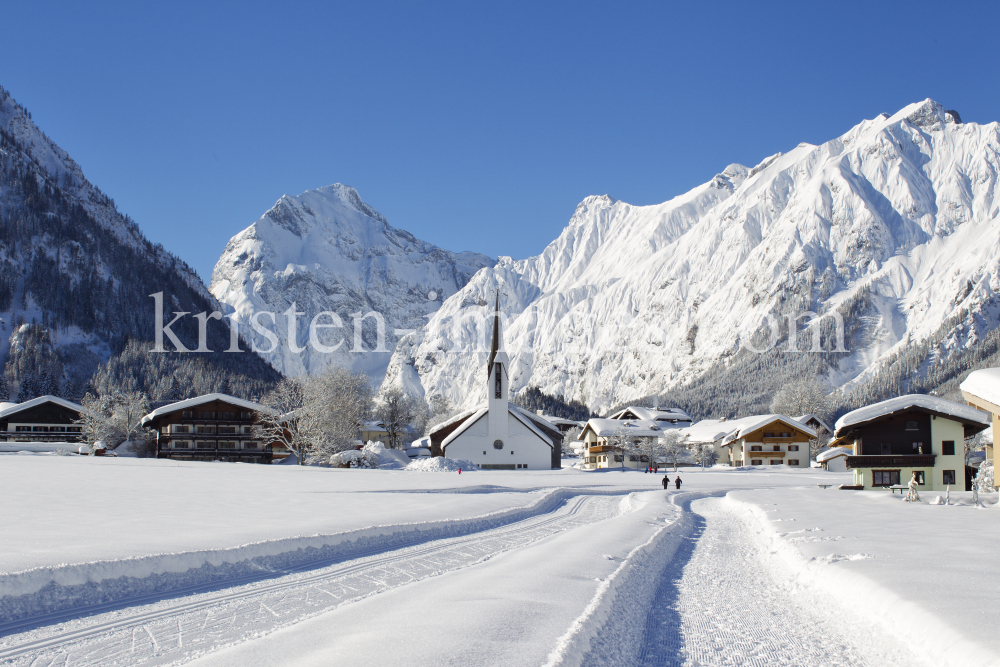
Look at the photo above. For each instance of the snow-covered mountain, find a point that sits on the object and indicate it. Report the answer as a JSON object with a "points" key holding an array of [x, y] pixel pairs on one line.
{"points": [[326, 250], [894, 225], [82, 272]]}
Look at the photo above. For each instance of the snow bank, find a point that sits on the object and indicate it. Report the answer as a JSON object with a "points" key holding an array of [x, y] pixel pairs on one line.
{"points": [[388, 459], [440, 464], [944, 643], [610, 631], [42, 590]]}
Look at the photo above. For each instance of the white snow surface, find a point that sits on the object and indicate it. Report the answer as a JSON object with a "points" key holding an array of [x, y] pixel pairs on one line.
{"points": [[631, 301], [326, 250], [935, 403], [984, 383], [563, 567], [440, 464]]}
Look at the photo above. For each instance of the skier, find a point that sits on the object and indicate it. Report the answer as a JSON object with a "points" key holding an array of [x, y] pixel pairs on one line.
{"points": [[678, 482], [666, 482]]}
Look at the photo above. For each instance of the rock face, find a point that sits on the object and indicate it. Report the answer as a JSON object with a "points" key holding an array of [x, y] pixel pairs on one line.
{"points": [[894, 226], [76, 274], [327, 251]]}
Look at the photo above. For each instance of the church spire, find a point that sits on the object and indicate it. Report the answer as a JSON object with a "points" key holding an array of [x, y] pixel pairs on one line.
{"points": [[497, 336]]}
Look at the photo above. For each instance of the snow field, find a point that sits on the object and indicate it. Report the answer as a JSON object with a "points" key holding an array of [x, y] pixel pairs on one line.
{"points": [[919, 573], [180, 629]]}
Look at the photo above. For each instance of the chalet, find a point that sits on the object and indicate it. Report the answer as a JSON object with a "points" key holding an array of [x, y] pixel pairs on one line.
{"points": [[816, 424], [563, 425], [599, 434], [710, 432], [769, 440], [982, 390], [915, 435], [42, 419], [213, 427], [499, 435]]}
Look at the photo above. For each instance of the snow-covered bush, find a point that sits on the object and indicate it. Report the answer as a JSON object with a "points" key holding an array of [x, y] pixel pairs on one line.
{"points": [[984, 478], [440, 464]]}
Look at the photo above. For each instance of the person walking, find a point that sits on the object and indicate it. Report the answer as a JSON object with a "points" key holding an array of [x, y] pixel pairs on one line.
{"points": [[678, 482], [459, 471], [666, 482]]}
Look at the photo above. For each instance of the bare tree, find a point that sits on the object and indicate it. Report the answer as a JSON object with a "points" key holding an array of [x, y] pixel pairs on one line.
{"points": [[115, 419], [818, 444], [801, 397], [394, 410], [285, 422], [705, 454], [339, 401], [622, 442], [672, 446]]}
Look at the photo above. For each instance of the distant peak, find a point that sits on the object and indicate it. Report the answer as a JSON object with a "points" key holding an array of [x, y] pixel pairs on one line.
{"points": [[350, 196], [926, 114], [594, 202]]}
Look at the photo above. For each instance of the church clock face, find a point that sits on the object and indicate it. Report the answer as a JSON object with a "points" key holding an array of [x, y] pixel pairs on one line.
{"points": [[498, 444]]}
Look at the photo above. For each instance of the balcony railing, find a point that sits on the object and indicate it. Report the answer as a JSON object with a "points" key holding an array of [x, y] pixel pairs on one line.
{"points": [[889, 461]]}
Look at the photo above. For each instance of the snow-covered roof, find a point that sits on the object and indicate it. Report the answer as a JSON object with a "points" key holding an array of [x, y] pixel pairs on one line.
{"points": [[606, 427], [476, 416], [18, 407], [984, 383], [709, 430], [806, 418], [520, 414], [832, 453], [201, 400], [451, 420], [934, 404], [556, 421], [750, 424], [653, 414], [527, 417]]}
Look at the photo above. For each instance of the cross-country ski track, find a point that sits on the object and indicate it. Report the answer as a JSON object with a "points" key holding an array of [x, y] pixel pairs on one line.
{"points": [[683, 581]]}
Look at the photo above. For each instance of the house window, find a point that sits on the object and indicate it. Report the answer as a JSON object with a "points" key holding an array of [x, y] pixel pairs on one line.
{"points": [[182, 444], [187, 414], [919, 474], [912, 426], [205, 429], [227, 429], [755, 462], [777, 448], [793, 462], [498, 444], [949, 477], [886, 448], [250, 445], [498, 392], [206, 415], [948, 448], [756, 448], [885, 477], [201, 444], [776, 462], [793, 448]]}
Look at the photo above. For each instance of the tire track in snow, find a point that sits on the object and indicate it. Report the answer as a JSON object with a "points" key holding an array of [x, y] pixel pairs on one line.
{"points": [[185, 628]]}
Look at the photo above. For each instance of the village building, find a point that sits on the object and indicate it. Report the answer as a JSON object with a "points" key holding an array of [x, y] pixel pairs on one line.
{"points": [[43, 419], [982, 390], [767, 440], [213, 427], [670, 418], [914, 435], [710, 432], [600, 436], [834, 459], [816, 424], [499, 435]]}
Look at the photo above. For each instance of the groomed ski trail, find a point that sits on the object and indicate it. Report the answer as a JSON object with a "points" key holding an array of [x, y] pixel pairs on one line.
{"points": [[725, 599], [184, 628]]}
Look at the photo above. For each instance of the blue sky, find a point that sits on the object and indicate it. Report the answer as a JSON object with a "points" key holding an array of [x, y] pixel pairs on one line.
{"points": [[475, 126]]}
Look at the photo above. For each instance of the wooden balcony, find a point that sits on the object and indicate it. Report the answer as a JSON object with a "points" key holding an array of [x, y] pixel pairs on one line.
{"points": [[892, 461], [765, 455]]}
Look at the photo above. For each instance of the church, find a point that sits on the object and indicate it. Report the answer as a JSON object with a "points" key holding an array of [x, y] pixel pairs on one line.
{"points": [[499, 435]]}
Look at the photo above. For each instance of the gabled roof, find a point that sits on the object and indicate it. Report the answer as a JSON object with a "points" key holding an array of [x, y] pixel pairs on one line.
{"points": [[41, 400], [750, 424], [201, 400], [520, 414], [708, 430], [652, 414], [833, 453], [933, 405], [805, 420]]}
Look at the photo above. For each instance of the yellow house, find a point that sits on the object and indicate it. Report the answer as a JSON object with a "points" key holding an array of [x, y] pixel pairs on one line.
{"points": [[914, 435], [982, 390]]}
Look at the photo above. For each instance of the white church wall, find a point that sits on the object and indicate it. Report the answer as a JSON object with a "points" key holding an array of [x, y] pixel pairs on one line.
{"points": [[522, 447]]}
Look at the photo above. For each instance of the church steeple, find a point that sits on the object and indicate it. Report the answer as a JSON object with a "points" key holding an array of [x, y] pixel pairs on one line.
{"points": [[497, 381], [497, 344]]}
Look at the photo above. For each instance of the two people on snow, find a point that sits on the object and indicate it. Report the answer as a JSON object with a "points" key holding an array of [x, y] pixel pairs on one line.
{"points": [[666, 482]]}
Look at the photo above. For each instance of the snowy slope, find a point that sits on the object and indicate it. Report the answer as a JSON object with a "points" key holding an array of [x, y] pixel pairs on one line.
{"points": [[898, 214], [326, 250]]}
